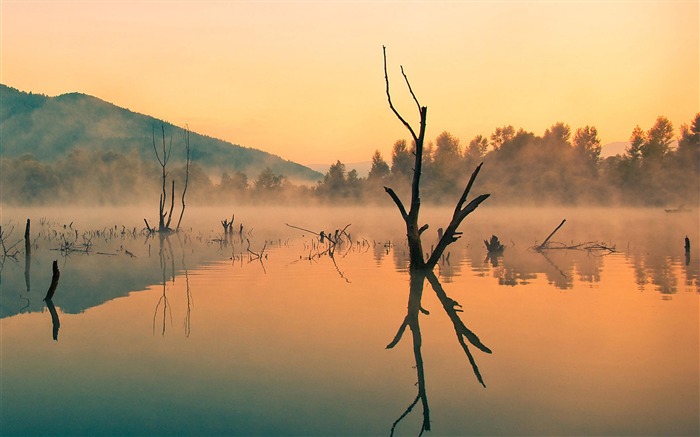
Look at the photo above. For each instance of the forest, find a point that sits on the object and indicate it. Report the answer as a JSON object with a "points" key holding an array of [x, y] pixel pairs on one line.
{"points": [[559, 167]]}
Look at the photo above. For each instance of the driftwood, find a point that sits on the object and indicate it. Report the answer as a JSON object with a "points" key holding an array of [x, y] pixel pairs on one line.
{"points": [[590, 246], [410, 217], [681, 208]]}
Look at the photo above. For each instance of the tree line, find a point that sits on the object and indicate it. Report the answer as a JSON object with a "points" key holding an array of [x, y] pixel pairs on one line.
{"points": [[560, 166]]}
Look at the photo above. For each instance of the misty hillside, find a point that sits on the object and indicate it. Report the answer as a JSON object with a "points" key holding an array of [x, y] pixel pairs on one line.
{"points": [[50, 127]]}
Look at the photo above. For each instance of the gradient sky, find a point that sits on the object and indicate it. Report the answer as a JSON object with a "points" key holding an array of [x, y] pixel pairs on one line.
{"points": [[304, 79]]}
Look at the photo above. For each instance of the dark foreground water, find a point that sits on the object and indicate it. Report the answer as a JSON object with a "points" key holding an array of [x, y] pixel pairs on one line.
{"points": [[194, 335]]}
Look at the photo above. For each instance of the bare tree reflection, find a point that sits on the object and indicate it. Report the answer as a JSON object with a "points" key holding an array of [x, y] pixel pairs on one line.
{"points": [[55, 322], [188, 315], [163, 267], [452, 308]]}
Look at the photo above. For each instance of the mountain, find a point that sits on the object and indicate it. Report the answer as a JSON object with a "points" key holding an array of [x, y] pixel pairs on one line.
{"points": [[49, 127], [615, 148]]}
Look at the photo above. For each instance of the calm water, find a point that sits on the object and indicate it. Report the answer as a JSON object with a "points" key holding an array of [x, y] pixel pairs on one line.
{"points": [[192, 335]]}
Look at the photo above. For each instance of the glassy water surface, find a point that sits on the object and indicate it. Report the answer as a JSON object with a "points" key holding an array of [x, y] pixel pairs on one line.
{"points": [[264, 333]]}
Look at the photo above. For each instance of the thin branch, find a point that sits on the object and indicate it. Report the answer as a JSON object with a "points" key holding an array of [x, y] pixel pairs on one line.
{"points": [[187, 176], [391, 105], [399, 334], [405, 413], [415, 99]]}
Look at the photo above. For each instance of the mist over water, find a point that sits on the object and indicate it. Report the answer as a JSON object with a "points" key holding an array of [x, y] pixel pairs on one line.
{"points": [[195, 335]]}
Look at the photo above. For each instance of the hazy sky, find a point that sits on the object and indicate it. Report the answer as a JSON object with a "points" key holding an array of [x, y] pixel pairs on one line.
{"points": [[304, 79]]}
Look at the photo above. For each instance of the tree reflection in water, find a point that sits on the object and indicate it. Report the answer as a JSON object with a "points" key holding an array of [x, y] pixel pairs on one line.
{"points": [[55, 323], [451, 307], [164, 255], [167, 257]]}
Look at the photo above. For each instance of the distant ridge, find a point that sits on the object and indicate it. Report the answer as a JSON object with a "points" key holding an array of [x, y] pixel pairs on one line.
{"points": [[362, 167], [50, 127], [615, 148]]}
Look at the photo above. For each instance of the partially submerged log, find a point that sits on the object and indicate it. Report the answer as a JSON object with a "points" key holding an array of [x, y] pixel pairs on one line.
{"points": [[590, 246], [546, 240]]}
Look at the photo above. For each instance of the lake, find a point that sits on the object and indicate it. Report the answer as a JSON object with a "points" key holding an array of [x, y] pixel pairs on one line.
{"points": [[263, 332]]}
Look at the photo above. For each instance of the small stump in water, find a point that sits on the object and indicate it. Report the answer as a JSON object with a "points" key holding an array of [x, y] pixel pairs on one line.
{"points": [[494, 246]]}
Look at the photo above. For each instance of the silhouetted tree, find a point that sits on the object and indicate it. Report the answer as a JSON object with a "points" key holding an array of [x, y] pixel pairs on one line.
{"points": [[587, 146], [269, 181], [380, 169], [502, 135], [237, 182], [476, 150], [658, 140], [401, 160], [689, 146]]}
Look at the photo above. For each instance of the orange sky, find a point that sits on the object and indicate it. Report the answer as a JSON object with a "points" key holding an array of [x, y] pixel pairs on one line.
{"points": [[304, 79]]}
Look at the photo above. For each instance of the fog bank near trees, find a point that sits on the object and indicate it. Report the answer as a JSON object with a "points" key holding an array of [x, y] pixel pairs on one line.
{"points": [[560, 166]]}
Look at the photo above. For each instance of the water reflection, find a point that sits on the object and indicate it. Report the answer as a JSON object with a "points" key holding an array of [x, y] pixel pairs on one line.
{"points": [[163, 299], [521, 266], [411, 321], [55, 322], [166, 258]]}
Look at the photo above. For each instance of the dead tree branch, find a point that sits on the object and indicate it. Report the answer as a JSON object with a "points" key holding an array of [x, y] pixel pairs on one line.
{"points": [[187, 175], [461, 330], [589, 246], [544, 243]]}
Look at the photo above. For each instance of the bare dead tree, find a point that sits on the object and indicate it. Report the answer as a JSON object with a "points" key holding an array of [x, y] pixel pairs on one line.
{"points": [[163, 156], [410, 217], [163, 159], [187, 174]]}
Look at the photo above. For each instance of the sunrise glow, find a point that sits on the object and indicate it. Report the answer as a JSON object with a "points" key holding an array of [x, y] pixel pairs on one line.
{"points": [[304, 79]]}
